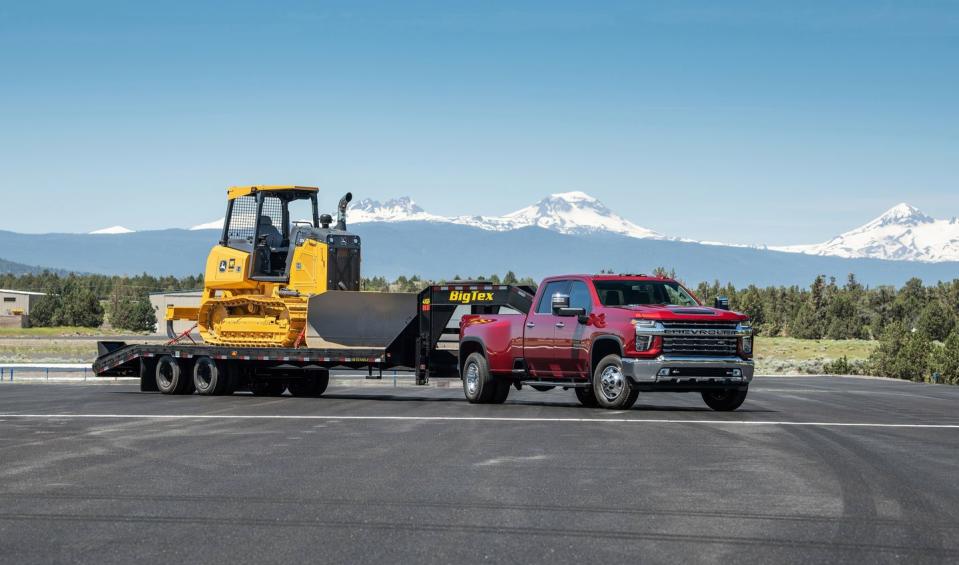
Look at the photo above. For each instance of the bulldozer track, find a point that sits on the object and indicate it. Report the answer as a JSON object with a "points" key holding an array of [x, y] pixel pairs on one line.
{"points": [[276, 331]]}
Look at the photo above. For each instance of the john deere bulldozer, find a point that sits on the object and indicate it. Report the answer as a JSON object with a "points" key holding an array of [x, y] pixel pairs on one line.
{"points": [[278, 275]]}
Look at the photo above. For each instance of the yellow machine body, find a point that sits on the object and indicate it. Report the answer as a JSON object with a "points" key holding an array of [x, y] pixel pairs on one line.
{"points": [[240, 308]]}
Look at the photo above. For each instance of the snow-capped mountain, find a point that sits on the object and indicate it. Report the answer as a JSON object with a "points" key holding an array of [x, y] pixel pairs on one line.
{"points": [[568, 212], [395, 210], [214, 225], [112, 230], [902, 233]]}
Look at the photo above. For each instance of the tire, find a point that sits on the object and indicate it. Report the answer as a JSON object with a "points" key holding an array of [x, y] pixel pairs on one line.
{"points": [[170, 377], [586, 397], [542, 388], [311, 385], [210, 378], [479, 387], [611, 387], [268, 388], [502, 391], [148, 375], [724, 400]]}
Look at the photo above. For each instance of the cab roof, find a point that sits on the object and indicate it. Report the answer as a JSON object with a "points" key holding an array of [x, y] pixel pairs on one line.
{"points": [[235, 192], [609, 277]]}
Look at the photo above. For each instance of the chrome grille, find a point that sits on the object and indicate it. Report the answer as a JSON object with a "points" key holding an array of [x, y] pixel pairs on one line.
{"points": [[700, 338]]}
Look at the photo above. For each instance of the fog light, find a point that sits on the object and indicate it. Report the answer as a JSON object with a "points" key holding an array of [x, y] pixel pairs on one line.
{"points": [[737, 372], [663, 373]]}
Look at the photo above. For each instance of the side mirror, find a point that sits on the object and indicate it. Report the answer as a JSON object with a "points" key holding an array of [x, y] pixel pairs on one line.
{"points": [[559, 302], [722, 303]]}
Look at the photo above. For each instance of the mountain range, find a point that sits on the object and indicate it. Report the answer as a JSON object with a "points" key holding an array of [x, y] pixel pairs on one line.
{"points": [[569, 232], [903, 233]]}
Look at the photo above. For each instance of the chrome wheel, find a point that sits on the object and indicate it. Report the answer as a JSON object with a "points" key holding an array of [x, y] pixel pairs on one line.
{"points": [[472, 379], [612, 382]]}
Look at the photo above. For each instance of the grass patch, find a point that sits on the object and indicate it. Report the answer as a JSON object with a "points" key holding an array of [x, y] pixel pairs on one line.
{"points": [[50, 332], [787, 355]]}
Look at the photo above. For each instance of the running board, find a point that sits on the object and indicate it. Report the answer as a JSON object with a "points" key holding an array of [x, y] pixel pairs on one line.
{"points": [[557, 384]]}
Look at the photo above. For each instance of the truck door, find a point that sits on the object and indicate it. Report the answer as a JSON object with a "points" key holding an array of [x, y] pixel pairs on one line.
{"points": [[571, 338], [539, 345]]}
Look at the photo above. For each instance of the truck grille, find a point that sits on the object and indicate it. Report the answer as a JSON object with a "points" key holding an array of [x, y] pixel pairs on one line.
{"points": [[700, 339]]}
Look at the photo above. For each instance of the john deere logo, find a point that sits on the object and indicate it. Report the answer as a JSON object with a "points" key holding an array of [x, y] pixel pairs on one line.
{"points": [[467, 297]]}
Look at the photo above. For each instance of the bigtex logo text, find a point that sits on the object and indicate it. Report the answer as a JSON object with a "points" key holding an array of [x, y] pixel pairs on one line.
{"points": [[466, 297]]}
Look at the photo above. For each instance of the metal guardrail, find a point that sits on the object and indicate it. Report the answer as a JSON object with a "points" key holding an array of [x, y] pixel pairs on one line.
{"points": [[32, 371]]}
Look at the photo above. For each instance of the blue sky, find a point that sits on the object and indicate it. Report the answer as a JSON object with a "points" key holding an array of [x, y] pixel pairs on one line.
{"points": [[741, 121]]}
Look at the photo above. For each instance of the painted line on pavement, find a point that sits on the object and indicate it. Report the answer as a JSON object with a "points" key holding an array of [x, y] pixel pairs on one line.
{"points": [[468, 419]]}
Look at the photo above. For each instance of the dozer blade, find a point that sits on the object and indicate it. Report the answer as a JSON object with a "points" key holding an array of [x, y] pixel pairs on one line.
{"points": [[347, 320]]}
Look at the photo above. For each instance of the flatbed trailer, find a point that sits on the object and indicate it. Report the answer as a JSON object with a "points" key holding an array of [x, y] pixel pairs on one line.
{"points": [[421, 337]]}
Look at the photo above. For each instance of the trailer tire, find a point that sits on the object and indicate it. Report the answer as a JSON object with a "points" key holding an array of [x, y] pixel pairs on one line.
{"points": [[268, 388], [724, 400], [170, 377], [148, 375], [611, 387], [586, 397], [210, 378], [478, 384], [312, 385]]}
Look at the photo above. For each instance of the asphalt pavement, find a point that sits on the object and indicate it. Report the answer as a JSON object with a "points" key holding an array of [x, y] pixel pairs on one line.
{"points": [[810, 470]]}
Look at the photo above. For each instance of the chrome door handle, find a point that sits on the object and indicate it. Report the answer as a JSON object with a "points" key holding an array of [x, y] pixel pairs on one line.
{"points": [[530, 325], [560, 325]]}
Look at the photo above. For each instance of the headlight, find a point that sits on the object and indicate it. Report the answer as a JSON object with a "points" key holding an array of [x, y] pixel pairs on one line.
{"points": [[645, 331], [644, 342], [748, 345]]}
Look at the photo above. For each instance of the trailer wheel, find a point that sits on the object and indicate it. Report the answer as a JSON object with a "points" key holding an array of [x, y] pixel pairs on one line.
{"points": [[209, 377], [170, 378], [611, 387], [724, 400], [478, 384], [314, 384], [268, 388]]}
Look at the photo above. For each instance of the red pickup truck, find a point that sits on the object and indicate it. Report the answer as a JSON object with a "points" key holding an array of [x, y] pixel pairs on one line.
{"points": [[610, 337]]}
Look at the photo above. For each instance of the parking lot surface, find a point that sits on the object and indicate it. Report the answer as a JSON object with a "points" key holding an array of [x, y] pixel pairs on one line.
{"points": [[809, 470]]}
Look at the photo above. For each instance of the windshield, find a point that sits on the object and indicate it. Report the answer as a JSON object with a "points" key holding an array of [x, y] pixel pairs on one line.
{"points": [[643, 293]]}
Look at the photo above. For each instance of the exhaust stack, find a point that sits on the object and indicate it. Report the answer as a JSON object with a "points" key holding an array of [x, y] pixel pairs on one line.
{"points": [[341, 211]]}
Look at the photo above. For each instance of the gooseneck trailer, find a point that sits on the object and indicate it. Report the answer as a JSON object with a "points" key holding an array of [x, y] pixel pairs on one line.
{"points": [[411, 332]]}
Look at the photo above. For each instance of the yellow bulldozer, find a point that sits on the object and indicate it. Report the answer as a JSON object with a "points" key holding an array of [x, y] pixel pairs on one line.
{"points": [[271, 281]]}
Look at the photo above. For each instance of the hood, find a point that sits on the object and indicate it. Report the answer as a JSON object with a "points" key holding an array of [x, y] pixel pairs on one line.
{"points": [[694, 313]]}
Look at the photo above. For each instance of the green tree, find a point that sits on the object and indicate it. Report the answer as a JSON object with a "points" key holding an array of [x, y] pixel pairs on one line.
{"points": [[807, 324], [902, 354], [82, 308], [936, 321], [134, 314], [47, 312], [945, 360]]}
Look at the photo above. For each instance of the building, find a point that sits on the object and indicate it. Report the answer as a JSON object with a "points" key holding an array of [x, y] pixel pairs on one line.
{"points": [[161, 300], [15, 306]]}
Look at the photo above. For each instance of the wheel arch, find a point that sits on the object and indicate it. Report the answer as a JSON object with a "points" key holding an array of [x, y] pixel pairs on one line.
{"points": [[603, 346], [469, 346]]}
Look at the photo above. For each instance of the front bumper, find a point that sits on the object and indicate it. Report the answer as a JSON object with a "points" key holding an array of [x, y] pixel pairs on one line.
{"points": [[672, 370]]}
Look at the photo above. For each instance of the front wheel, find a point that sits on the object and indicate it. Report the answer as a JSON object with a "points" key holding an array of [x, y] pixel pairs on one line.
{"points": [[724, 400], [611, 387]]}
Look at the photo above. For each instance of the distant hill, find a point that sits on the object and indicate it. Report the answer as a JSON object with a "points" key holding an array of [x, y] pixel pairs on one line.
{"points": [[11, 268], [441, 250]]}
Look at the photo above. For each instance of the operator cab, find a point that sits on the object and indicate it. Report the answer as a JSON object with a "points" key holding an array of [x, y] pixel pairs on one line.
{"points": [[271, 222]]}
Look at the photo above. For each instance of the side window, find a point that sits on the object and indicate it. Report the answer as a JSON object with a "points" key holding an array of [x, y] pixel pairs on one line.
{"points": [[546, 302], [243, 219], [579, 296]]}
